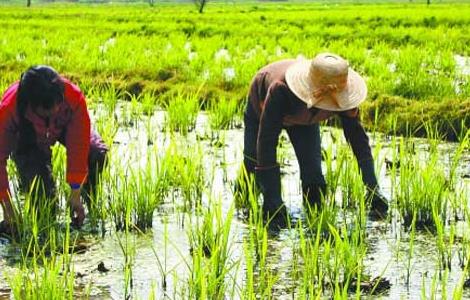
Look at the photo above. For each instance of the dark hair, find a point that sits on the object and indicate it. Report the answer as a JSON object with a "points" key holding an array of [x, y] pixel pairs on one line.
{"points": [[40, 86]]}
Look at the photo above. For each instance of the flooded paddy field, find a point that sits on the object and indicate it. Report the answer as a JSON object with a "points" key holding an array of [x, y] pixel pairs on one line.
{"points": [[199, 243], [167, 87]]}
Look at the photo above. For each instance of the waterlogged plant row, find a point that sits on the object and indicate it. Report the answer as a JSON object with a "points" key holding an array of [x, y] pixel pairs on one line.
{"points": [[146, 183]]}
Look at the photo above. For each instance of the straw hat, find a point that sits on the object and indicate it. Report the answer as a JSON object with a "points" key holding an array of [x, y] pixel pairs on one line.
{"points": [[326, 82]]}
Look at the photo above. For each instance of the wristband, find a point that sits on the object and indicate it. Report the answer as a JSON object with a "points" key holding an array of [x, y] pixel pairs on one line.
{"points": [[75, 186]]}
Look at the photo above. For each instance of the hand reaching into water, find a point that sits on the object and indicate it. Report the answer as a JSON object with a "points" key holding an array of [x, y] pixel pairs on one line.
{"points": [[76, 208], [378, 202], [7, 225]]}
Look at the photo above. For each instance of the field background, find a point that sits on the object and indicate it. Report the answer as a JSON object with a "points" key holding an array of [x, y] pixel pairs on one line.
{"points": [[415, 56]]}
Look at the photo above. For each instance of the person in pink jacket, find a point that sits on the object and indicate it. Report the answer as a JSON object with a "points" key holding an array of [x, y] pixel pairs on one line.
{"points": [[41, 109]]}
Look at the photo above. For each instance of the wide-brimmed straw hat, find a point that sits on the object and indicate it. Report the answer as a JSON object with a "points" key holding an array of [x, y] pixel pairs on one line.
{"points": [[326, 82]]}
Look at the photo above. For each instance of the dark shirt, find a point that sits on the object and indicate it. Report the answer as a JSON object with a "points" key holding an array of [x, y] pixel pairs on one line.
{"points": [[277, 106]]}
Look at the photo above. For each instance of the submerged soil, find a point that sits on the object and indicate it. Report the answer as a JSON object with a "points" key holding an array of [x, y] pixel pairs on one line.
{"points": [[100, 261]]}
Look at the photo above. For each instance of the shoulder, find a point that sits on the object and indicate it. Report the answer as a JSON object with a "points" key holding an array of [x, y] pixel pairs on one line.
{"points": [[72, 93], [279, 65], [278, 86], [276, 70], [9, 97]]}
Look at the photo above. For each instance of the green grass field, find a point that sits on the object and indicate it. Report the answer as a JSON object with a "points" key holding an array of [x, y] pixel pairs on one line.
{"points": [[415, 57]]}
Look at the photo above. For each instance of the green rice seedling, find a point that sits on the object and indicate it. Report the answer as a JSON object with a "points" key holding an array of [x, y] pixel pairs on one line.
{"points": [[127, 244], [423, 185], [151, 131], [248, 290], [257, 251], [343, 257], [149, 103], [185, 172], [150, 189], [146, 188], [245, 193], [211, 252], [120, 200], [181, 112], [109, 96], [464, 247], [106, 124], [444, 242], [135, 108], [333, 168], [98, 206], [125, 114], [163, 265], [259, 278], [458, 292], [349, 178], [48, 282], [35, 218], [438, 286], [294, 272], [455, 158], [322, 219], [410, 253], [53, 278], [312, 280], [222, 113], [139, 191]]}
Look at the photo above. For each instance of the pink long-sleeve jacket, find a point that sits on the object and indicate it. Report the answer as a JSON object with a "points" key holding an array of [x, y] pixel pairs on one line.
{"points": [[71, 124]]}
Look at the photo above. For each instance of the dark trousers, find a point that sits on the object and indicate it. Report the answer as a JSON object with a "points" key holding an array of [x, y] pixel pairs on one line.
{"points": [[34, 164], [305, 140]]}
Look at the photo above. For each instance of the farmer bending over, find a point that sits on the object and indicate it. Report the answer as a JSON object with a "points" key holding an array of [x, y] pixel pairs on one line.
{"points": [[36, 112], [296, 95]]}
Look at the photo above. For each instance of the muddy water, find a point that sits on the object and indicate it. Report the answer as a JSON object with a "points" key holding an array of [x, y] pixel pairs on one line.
{"points": [[387, 242]]}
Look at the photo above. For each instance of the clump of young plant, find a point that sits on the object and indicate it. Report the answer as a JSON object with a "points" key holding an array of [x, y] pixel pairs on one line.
{"points": [[312, 276], [185, 172], [181, 112], [423, 187], [222, 113], [245, 193], [45, 275], [259, 276], [127, 242], [140, 191], [210, 243], [343, 256], [36, 221]]}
